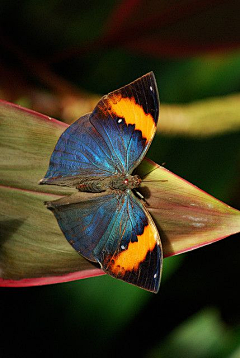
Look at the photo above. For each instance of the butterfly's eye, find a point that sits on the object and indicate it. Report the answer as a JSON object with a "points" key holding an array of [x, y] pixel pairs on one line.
{"points": [[119, 120]]}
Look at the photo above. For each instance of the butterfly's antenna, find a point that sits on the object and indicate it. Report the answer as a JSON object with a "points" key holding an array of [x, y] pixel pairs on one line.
{"points": [[154, 181]]}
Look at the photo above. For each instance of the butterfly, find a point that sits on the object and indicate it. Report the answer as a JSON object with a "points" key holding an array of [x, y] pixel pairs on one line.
{"points": [[109, 224]]}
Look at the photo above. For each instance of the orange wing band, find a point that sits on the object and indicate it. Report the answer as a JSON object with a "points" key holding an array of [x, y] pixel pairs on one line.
{"points": [[133, 113], [136, 252]]}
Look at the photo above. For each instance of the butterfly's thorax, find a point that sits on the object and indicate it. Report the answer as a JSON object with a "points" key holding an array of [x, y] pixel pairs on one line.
{"points": [[125, 182], [116, 182]]}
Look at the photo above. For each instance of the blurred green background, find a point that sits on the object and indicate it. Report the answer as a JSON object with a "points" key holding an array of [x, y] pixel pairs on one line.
{"points": [[53, 51]]}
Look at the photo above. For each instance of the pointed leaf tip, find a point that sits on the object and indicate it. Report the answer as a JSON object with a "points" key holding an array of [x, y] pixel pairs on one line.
{"points": [[186, 216]]}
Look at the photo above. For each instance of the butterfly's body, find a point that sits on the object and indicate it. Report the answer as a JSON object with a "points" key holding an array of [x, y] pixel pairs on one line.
{"points": [[97, 154], [115, 182]]}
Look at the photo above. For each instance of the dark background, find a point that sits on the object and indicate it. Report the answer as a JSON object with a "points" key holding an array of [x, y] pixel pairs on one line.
{"points": [[52, 51]]}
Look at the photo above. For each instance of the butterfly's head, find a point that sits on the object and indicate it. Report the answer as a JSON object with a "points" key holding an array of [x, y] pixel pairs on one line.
{"points": [[132, 181], [126, 182]]}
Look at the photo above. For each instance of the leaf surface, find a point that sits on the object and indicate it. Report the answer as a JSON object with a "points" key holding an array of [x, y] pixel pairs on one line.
{"points": [[33, 250], [186, 216]]}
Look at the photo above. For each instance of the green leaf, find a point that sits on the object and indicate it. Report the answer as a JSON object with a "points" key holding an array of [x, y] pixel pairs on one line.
{"points": [[32, 248], [203, 335]]}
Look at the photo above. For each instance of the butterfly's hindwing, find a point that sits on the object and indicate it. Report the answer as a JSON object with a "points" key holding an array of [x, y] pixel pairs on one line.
{"points": [[116, 231], [137, 258], [85, 221]]}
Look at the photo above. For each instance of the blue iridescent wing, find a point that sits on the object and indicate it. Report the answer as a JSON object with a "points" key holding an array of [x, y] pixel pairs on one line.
{"points": [[115, 231], [113, 139], [81, 152]]}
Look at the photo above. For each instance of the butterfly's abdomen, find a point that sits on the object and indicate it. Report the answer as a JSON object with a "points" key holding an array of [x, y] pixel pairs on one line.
{"points": [[92, 186]]}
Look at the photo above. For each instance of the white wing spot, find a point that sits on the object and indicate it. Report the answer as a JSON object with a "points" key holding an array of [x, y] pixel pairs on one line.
{"points": [[151, 88], [119, 120], [155, 275], [123, 247]]}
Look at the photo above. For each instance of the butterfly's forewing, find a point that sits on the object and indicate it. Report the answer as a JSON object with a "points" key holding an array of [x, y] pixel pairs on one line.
{"points": [[111, 140], [116, 231], [127, 119], [80, 153]]}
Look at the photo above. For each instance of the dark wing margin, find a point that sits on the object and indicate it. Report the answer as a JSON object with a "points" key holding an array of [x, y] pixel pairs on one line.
{"points": [[117, 232], [127, 119]]}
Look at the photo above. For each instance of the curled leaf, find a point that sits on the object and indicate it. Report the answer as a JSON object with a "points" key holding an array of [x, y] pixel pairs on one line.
{"points": [[33, 250]]}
